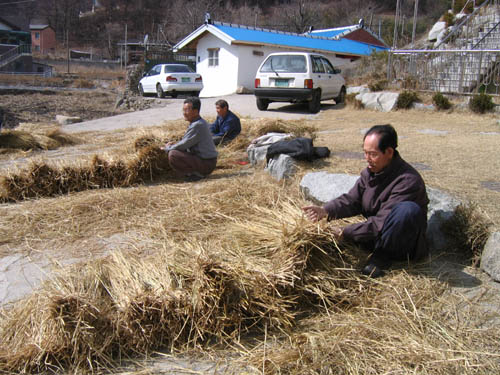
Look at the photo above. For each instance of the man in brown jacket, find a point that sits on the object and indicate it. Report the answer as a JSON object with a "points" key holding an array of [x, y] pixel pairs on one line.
{"points": [[391, 195]]}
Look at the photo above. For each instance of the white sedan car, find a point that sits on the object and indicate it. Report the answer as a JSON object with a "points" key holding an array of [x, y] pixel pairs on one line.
{"points": [[171, 79]]}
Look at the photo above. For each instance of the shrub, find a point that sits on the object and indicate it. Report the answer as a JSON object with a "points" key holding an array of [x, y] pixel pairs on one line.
{"points": [[481, 103], [441, 102], [82, 83], [378, 86], [449, 18], [350, 99], [410, 83], [406, 99]]}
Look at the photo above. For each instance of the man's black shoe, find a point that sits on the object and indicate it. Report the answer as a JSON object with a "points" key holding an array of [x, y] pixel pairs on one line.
{"points": [[194, 177], [375, 266]]}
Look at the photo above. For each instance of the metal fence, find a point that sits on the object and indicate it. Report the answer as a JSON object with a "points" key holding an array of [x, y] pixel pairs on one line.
{"points": [[448, 71]]}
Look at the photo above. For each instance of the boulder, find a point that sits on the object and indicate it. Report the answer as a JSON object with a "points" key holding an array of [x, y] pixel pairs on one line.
{"points": [[436, 30], [66, 120], [320, 187], [357, 90], [281, 167], [490, 259], [441, 209], [423, 107], [379, 101]]}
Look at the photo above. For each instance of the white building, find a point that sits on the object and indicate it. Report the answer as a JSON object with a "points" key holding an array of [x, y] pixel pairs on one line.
{"points": [[227, 56]]}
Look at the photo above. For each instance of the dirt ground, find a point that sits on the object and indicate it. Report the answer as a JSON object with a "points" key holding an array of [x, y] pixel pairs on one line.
{"points": [[455, 151]]}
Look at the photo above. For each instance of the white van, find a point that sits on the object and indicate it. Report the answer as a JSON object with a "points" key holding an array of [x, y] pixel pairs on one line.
{"points": [[297, 77]]}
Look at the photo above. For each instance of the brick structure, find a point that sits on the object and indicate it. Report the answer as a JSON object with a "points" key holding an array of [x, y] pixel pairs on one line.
{"points": [[43, 38]]}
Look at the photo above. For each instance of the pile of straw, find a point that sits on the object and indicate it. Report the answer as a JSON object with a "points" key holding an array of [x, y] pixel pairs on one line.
{"points": [[42, 180], [22, 140], [266, 272]]}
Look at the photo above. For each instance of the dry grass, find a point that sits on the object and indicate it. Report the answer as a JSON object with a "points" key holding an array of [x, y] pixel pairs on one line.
{"points": [[12, 140], [231, 263]]}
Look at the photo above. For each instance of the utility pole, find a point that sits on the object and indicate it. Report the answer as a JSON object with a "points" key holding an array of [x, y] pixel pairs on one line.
{"points": [[126, 55], [67, 45], [415, 12]]}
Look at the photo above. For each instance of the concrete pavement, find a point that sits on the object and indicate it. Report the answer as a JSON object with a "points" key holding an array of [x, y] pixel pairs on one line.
{"points": [[243, 105]]}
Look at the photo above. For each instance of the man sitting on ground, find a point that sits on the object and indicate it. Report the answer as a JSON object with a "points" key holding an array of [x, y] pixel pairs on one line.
{"points": [[391, 195], [194, 156], [227, 125]]}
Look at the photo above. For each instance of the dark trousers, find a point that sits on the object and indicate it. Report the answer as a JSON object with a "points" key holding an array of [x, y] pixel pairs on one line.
{"points": [[403, 234], [184, 163]]}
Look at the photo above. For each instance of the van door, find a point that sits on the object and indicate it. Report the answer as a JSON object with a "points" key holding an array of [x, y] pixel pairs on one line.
{"points": [[334, 79], [320, 77]]}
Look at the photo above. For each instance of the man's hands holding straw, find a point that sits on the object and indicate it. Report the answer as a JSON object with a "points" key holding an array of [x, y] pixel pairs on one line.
{"points": [[316, 213]]}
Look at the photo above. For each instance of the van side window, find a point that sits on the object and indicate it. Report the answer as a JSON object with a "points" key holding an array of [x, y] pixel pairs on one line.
{"points": [[317, 64], [329, 68]]}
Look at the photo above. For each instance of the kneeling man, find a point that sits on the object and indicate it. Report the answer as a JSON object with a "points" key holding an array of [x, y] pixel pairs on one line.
{"points": [[194, 156], [391, 195]]}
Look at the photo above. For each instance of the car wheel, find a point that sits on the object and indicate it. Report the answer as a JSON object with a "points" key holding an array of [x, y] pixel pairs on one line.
{"points": [[159, 91], [341, 98], [315, 103], [141, 90], [173, 94], [262, 104]]}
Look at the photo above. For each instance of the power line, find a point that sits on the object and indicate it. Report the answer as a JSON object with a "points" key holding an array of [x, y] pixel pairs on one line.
{"points": [[18, 2]]}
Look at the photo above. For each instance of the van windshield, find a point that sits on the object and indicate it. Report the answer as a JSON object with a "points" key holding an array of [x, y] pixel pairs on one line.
{"points": [[285, 64]]}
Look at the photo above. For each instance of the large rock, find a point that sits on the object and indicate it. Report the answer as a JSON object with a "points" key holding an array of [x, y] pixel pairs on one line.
{"points": [[357, 90], [281, 167], [66, 120], [320, 187], [441, 209], [257, 154], [436, 30], [379, 101], [490, 259]]}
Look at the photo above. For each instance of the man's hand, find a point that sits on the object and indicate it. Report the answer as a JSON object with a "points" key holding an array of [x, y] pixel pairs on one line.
{"points": [[167, 145], [315, 213], [337, 231]]}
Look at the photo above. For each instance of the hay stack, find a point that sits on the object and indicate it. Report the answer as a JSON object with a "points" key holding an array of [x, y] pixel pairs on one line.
{"points": [[14, 139], [192, 293], [42, 180]]}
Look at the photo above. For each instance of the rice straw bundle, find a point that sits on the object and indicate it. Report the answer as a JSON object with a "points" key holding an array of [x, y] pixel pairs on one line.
{"points": [[192, 292], [42, 180]]}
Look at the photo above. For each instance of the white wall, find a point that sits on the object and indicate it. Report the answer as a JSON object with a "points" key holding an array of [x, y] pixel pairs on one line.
{"points": [[237, 65], [217, 80]]}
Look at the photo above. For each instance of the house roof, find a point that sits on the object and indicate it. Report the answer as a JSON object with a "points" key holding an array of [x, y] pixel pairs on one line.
{"points": [[38, 27], [238, 34]]}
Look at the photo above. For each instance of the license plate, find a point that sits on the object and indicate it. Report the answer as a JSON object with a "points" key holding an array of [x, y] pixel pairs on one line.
{"points": [[281, 82], [186, 79]]}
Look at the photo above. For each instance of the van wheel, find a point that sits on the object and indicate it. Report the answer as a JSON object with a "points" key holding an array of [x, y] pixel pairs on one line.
{"points": [[262, 104], [315, 103], [159, 91], [173, 94], [341, 98]]}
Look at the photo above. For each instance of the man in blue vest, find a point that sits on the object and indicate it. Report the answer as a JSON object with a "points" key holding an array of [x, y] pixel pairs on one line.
{"points": [[227, 125]]}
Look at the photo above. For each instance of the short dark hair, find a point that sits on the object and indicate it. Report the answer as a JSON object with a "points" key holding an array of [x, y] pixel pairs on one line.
{"points": [[388, 136], [222, 103], [194, 101]]}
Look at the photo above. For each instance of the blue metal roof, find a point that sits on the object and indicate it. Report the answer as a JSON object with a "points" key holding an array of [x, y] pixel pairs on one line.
{"points": [[332, 33], [273, 37]]}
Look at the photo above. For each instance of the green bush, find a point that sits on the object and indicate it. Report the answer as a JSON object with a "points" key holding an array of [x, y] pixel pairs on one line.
{"points": [[406, 99], [449, 18], [481, 103], [441, 102], [378, 85]]}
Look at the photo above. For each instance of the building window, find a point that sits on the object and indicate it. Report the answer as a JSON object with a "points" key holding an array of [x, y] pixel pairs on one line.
{"points": [[37, 48], [213, 57], [37, 35]]}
